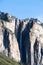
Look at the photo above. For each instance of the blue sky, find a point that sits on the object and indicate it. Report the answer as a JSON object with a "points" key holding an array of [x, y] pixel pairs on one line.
{"points": [[23, 8]]}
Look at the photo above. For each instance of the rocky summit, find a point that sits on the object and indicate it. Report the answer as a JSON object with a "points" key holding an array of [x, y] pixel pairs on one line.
{"points": [[21, 40]]}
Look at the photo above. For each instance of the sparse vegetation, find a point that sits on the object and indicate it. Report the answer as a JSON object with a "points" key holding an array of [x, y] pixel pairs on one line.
{"points": [[7, 61]]}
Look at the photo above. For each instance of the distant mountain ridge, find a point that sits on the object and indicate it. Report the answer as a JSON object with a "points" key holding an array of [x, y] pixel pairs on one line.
{"points": [[21, 40]]}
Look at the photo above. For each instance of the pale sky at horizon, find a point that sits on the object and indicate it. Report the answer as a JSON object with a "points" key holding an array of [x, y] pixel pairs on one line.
{"points": [[23, 8]]}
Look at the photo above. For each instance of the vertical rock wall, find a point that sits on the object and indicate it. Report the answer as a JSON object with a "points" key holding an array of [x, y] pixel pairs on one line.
{"points": [[21, 40]]}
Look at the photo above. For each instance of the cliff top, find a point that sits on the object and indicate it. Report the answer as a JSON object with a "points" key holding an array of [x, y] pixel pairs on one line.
{"points": [[8, 17]]}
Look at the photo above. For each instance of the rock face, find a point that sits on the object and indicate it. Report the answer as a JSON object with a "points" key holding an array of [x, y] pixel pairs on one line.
{"points": [[21, 40]]}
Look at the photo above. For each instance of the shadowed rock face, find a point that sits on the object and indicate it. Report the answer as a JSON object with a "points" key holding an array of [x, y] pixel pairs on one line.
{"points": [[21, 40]]}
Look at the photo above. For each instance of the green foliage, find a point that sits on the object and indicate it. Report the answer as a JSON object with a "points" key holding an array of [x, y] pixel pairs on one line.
{"points": [[7, 61]]}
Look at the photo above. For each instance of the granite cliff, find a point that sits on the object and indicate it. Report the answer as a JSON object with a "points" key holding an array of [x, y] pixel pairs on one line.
{"points": [[21, 40]]}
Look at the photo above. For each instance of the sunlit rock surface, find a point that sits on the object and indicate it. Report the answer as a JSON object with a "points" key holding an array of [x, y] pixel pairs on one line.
{"points": [[21, 40]]}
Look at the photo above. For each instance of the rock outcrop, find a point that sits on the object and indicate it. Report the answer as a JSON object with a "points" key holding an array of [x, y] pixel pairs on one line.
{"points": [[21, 40]]}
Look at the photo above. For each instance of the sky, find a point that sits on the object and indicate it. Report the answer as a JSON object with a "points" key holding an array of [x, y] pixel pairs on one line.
{"points": [[23, 8]]}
